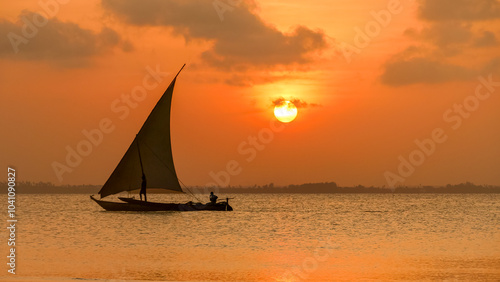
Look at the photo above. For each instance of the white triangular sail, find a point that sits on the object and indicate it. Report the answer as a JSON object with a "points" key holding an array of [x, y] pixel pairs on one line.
{"points": [[154, 143]]}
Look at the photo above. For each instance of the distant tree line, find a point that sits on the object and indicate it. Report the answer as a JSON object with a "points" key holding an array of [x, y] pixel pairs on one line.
{"points": [[28, 187], [332, 187]]}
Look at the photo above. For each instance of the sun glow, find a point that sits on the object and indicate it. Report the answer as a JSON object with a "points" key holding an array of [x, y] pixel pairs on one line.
{"points": [[285, 112]]}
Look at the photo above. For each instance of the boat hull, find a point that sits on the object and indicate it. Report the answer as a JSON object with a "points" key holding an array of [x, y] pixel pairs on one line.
{"points": [[137, 205]]}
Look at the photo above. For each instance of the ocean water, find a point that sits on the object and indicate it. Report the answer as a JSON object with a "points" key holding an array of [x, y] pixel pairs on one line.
{"points": [[277, 237]]}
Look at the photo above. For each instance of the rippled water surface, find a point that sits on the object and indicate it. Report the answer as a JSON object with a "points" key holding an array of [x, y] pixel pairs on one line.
{"points": [[285, 237]]}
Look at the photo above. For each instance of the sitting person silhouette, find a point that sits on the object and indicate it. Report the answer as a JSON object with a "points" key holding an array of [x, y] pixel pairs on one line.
{"points": [[213, 198]]}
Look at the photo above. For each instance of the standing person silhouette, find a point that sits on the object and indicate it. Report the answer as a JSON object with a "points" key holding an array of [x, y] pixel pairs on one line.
{"points": [[143, 188]]}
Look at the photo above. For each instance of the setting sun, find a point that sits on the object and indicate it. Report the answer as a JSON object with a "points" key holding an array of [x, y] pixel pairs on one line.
{"points": [[285, 112]]}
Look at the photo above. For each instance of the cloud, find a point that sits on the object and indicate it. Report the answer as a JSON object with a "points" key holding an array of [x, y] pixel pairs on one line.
{"points": [[444, 39], [447, 33], [240, 41], [451, 23], [487, 39], [65, 44], [453, 31], [459, 10], [296, 102], [422, 70], [492, 66]]}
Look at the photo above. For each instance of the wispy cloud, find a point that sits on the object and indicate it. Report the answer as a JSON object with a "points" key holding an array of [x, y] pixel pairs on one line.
{"points": [[296, 102], [60, 43], [459, 10], [422, 70]]}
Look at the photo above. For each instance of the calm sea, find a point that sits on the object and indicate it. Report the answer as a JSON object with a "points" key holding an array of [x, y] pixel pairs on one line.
{"points": [[278, 237]]}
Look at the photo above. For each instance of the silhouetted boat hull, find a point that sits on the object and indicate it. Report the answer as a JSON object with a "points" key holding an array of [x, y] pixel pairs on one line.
{"points": [[137, 205]]}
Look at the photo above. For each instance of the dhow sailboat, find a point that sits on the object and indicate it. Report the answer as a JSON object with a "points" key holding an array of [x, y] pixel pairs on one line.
{"points": [[149, 163]]}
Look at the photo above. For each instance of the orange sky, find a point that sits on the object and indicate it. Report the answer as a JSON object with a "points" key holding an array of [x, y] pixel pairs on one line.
{"points": [[365, 109]]}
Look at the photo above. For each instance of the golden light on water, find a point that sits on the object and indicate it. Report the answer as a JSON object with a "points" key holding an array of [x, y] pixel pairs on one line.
{"points": [[285, 112]]}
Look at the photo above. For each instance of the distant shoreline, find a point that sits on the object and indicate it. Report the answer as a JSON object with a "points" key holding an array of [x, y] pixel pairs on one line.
{"points": [[308, 188]]}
